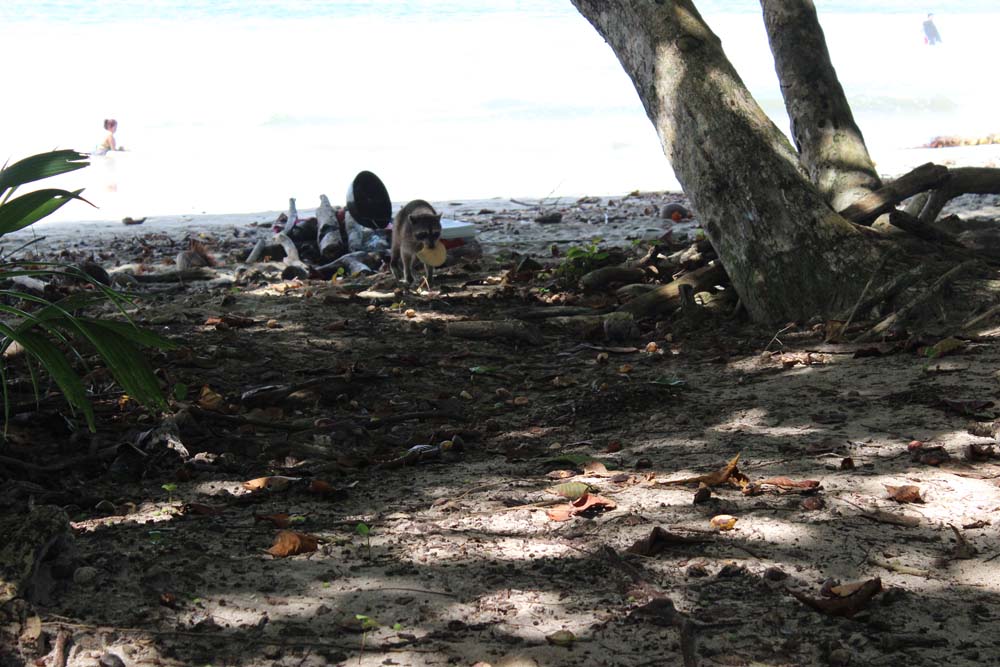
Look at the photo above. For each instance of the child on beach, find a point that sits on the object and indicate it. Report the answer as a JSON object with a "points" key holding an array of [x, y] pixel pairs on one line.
{"points": [[109, 144]]}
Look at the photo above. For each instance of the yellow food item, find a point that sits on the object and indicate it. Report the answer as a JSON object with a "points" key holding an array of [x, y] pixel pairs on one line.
{"points": [[433, 256]]}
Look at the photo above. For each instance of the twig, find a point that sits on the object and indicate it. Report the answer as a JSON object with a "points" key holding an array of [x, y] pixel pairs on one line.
{"points": [[864, 293], [775, 337]]}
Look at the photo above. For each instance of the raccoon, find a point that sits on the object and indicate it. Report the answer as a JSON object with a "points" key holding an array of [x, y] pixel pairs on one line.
{"points": [[417, 226]]}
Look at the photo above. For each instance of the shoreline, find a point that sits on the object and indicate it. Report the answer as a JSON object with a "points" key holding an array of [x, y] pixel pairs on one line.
{"points": [[500, 221]]}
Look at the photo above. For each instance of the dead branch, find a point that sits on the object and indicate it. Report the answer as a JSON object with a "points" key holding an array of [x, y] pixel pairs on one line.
{"points": [[606, 275], [964, 180], [925, 177]]}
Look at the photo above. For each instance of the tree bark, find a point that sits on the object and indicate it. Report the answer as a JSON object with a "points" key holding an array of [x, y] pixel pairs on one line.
{"points": [[831, 147], [788, 254]]}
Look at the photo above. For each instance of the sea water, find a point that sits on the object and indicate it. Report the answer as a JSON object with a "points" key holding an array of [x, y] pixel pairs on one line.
{"points": [[235, 106]]}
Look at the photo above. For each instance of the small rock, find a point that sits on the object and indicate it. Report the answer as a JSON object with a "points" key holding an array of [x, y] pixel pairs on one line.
{"points": [[775, 574]]}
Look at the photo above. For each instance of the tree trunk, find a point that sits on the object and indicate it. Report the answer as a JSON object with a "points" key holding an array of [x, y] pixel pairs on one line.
{"points": [[829, 142], [788, 254]]}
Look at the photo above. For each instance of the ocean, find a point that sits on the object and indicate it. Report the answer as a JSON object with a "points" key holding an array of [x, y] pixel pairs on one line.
{"points": [[236, 106]]}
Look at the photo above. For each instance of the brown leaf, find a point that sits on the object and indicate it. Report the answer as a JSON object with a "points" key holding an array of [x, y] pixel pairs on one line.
{"points": [[713, 478], [844, 606], [272, 483], [276, 520], [723, 522], [322, 488], [290, 543], [657, 542], [813, 503], [209, 399], [613, 446], [595, 468], [904, 494], [585, 503]]}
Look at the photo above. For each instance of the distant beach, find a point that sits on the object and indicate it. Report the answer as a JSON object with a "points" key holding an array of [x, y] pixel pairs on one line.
{"points": [[227, 109]]}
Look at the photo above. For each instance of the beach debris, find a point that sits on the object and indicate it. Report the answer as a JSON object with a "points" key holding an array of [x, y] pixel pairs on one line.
{"points": [[435, 256], [675, 212], [133, 221], [549, 218], [331, 233]]}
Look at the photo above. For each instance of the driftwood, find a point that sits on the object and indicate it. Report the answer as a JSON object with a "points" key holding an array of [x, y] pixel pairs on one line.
{"points": [[548, 312], [925, 177], [512, 331], [668, 296], [964, 180], [175, 276], [329, 238], [606, 275], [353, 263]]}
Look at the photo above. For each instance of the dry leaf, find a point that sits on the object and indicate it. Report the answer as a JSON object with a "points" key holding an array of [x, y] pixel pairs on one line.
{"points": [[276, 520], [211, 400], [657, 542], [613, 446], [844, 606], [290, 543], [571, 490], [625, 369], [943, 347], [595, 468], [561, 638], [844, 590], [713, 478], [579, 506], [904, 494], [321, 488], [273, 483], [723, 522]]}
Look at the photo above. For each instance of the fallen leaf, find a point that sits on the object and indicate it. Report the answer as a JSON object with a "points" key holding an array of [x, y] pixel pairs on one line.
{"points": [[276, 520], [561, 638], [713, 478], [595, 468], [843, 606], [657, 542], [845, 590], [272, 483], [613, 446], [943, 347], [813, 503], [290, 543], [981, 452], [579, 506], [904, 494], [571, 490], [321, 488], [931, 456], [723, 522], [625, 369], [209, 399]]}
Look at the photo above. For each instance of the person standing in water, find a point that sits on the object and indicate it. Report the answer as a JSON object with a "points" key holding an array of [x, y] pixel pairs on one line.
{"points": [[109, 144], [931, 34]]}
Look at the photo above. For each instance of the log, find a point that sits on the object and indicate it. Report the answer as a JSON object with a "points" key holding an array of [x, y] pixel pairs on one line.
{"points": [[668, 296], [964, 180], [925, 177], [328, 234], [606, 275]]}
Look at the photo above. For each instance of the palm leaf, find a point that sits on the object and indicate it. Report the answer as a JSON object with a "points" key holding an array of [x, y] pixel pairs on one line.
{"points": [[29, 208], [51, 357], [37, 167], [125, 361]]}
